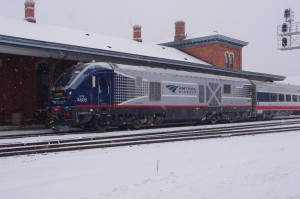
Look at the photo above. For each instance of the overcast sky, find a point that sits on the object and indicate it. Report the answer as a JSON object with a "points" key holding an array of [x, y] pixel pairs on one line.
{"points": [[254, 21]]}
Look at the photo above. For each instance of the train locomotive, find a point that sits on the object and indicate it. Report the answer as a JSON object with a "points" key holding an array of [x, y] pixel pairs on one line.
{"points": [[95, 96]]}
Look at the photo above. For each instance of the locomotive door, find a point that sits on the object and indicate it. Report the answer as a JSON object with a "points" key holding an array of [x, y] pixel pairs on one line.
{"points": [[213, 94], [104, 89]]}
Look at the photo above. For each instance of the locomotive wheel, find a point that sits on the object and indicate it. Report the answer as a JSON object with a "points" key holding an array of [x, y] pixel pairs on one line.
{"points": [[213, 120], [139, 123]]}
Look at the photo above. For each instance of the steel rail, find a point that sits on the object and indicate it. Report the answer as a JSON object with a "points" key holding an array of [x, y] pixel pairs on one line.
{"points": [[99, 137], [76, 132], [114, 141]]}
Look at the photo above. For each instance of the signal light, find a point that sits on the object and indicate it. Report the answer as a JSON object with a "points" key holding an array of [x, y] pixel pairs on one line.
{"points": [[287, 13], [284, 42], [284, 27]]}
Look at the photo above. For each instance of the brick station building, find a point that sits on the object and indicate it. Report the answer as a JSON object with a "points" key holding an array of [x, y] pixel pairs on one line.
{"points": [[33, 55]]}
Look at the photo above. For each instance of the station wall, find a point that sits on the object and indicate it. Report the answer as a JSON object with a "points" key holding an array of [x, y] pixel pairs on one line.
{"points": [[18, 80], [215, 54]]}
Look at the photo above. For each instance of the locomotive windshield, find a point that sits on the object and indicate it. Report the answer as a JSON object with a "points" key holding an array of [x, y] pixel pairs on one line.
{"points": [[67, 77]]}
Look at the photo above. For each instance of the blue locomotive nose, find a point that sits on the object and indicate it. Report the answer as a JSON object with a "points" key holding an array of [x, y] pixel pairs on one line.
{"points": [[61, 98]]}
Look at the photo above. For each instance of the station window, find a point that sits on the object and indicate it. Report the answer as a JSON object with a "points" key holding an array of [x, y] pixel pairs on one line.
{"points": [[288, 98], [201, 93], [295, 98], [229, 58], [281, 98], [155, 91], [227, 89]]}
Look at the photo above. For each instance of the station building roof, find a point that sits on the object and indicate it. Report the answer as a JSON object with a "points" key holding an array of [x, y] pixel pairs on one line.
{"points": [[33, 39], [205, 37]]}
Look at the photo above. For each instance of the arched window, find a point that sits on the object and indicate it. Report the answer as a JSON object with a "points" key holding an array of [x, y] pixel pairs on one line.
{"points": [[231, 55], [229, 58]]}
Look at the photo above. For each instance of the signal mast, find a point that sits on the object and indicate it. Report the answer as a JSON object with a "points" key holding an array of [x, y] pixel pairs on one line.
{"points": [[288, 34]]}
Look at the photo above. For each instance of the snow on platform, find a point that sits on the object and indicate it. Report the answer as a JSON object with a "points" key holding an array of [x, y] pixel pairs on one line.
{"points": [[260, 167]]}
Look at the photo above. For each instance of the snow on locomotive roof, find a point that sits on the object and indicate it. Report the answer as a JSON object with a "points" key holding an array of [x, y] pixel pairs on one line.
{"points": [[67, 36], [123, 67]]}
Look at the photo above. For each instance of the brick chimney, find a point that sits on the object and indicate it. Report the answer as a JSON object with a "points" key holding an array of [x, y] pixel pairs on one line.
{"points": [[137, 33], [179, 31], [29, 11]]}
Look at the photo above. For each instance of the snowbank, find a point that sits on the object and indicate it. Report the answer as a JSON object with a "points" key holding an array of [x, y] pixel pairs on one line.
{"points": [[260, 167]]}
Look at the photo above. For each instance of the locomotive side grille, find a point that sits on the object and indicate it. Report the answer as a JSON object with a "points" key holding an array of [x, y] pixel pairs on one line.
{"points": [[127, 88], [245, 91]]}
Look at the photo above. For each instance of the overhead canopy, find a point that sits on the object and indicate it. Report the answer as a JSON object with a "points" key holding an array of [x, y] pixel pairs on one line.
{"points": [[33, 39]]}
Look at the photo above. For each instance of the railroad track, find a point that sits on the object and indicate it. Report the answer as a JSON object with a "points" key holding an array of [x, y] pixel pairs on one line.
{"points": [[77, 131], [13, 149]]}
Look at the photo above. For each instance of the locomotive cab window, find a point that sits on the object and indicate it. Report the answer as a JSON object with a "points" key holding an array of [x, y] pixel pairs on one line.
{"points": [[92, 82], [67, 77], [155, 91], [227, 89]]}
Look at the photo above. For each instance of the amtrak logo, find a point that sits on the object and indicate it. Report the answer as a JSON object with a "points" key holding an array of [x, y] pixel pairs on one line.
{"points": [[172, 88], [182, 89]]}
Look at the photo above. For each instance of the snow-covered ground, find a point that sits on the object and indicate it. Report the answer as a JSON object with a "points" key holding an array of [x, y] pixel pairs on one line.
{"points": [[261, 166]]}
